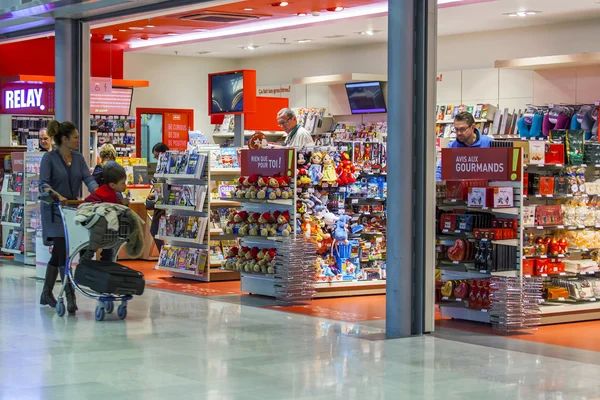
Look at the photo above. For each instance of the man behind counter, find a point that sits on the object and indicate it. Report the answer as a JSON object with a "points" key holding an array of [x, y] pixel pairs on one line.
{"points": [[297, 136], [466, 136]]}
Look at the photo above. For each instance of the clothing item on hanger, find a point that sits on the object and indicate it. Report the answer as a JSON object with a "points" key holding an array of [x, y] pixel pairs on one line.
{"points": [[575, 124], [530, 131], [562, 122]]}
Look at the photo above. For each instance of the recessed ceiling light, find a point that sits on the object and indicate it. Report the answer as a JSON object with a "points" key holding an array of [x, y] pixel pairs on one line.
{"points": [[301, 14], [200, 30], [335, 9], [136, 28], [250, 47], [149, 26], [248, 9], [339, 8], [172, 34], [122, 30], [368, 33], [304, 40], [283, 3], [522, 13]]}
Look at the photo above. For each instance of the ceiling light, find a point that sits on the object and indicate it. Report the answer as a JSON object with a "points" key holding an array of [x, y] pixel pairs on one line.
{"points": [[248, 9], [304, 40], [250, 47], [373, 10], [522, 13], [283, 3], [335, 9], [122, 30], [172, 34], [149, 26], [368, 33], [301, 14], [136, 28]]}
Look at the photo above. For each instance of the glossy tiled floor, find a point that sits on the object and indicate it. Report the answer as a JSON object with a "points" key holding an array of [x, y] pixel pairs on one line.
{"points": [[174, 346]]}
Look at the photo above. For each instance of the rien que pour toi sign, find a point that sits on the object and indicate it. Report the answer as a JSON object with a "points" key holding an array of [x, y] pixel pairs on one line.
{"points": [[267, 162], [496, 163]]}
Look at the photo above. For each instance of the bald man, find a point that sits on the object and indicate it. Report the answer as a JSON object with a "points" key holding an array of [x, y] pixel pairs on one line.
{"points": [[45, 141]]}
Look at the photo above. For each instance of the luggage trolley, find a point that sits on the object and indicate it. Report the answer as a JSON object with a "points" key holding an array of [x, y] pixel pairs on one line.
{"points": [[77, 238]]}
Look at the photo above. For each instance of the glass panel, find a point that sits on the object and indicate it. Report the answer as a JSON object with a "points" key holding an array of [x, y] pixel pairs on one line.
{"points": [[152, 133]]}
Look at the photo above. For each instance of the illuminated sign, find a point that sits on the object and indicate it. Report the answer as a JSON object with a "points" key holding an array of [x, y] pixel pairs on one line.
{"points": [[23, 98]]}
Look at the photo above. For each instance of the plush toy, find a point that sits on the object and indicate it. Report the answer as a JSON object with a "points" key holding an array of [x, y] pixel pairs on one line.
{"points": [[303, 180], [274, 185], [345, 170], [315, 172], [340, 232], [254, 230], [241, 216], [329, 176]]}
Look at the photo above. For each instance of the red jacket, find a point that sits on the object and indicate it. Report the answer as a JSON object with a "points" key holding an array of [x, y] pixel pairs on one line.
{"points": [[104, 194]]}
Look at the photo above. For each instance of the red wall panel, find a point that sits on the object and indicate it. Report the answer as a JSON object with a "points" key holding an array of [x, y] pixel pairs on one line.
{"points": [[36, 57]]}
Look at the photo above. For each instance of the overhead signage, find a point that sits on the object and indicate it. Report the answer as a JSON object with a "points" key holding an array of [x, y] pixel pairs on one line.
{"points": [[28, 98], [267, 162], [496, 164], [100, 85]]}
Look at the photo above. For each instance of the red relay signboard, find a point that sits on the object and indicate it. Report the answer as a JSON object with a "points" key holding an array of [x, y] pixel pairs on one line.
{"points": [[267, 162], [175, 132], [28, 98], [495, 163]]}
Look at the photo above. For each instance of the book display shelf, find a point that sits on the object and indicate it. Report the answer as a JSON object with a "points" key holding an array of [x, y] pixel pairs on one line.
{"points": [[185, 228]]}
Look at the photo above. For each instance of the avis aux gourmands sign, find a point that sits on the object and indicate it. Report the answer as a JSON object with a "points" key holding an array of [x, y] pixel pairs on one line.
{"points": [[496, 163]]}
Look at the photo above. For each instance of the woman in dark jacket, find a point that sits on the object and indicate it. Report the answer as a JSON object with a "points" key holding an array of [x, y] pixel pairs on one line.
{"points": [[62, 171], [158, 148]]}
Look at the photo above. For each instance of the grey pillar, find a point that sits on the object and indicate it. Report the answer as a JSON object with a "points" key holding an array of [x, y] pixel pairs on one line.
{"points": [[68, 55], [411, 97], [401, 89], [238, 130]]}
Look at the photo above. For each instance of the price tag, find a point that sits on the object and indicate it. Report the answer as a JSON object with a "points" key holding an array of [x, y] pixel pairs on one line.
{"points": [[343, 190], [453, 201], [524, 196], [484, 311], [563, 274], [457, 231], [561, 256], [454, 262], [561, 227], [484, 208], [581, 226], [527, 276], [354, 201], [545, 275], [379, 240], [459, 299], [550, 195], [445, 298], [543, 256], [593, 299], [561, 299], [445, 230], [485, 240], [538, 196], [541, 228], [483, 271]]}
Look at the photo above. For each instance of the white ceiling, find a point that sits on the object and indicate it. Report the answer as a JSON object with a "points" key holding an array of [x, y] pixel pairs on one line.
{"points": [[451, 21]]}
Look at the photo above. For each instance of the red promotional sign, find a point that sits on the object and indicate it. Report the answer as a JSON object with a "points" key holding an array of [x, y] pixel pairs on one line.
{"points": [[115, 102], [267, 162], [176, 128], [496, 163], [28, 98], [18, 162]]}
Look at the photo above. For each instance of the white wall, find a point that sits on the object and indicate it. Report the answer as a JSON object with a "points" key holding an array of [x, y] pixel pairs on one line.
{"points": [[482, 49], [175, 82]]}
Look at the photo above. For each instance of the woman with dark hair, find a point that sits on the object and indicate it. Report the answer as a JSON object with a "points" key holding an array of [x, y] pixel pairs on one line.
{"points": [[158, 148], [62, 171]]}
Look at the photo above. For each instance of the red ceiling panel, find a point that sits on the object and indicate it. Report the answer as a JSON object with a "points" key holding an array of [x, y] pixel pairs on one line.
{"points": [[175, 24]]}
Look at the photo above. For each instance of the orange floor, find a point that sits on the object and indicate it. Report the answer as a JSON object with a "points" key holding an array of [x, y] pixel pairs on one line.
{"points": [[583, 335]]}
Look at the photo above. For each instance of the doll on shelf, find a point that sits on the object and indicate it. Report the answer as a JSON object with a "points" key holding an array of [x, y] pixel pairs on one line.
{"points": [[315, 171], [329, 175]]}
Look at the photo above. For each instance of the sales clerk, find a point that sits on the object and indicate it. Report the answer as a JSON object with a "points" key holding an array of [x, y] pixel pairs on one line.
{"points": [[467, 135], [297, 136]]}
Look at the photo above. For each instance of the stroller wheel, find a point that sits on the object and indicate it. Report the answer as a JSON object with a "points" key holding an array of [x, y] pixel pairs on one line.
{"points": [[109, 306], [100, 313], [122, 311], [60, 308]]}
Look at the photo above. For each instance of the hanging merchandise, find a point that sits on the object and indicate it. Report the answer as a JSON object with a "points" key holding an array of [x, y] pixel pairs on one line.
{"points": [[530, 124]]}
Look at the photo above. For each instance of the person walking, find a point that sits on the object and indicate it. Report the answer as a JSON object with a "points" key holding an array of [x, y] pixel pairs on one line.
{"points": [[62, 171]]}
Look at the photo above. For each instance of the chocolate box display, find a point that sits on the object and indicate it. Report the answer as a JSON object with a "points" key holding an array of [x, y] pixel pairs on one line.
{"points": [[537, 152], [546, 185], [503, 197], [448, 222], [555, 153], [575, 147], [548, 215]]}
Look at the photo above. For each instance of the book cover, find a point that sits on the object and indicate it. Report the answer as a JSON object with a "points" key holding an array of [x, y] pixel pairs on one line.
{"points": [[140, 175], [175, 195], [449, 111], [19, 182], [484, 111], [192, 165], [172, 163], [191, 261], [163, 163], [202, 262], [182, 257], [229, 157], [442, 113], [216, 252], [478, 110], [471, 109], [180, 223], [182, 162], [192, 228]]}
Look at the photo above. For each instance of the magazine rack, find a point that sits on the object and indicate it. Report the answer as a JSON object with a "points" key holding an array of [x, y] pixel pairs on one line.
{"points": [[185, 197]]}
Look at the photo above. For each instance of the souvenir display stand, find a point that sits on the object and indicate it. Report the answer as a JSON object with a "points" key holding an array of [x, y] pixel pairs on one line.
{"points": [[185, 227], [266, 220]]}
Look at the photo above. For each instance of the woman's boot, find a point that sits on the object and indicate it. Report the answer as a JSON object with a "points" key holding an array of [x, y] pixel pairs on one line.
{"points": [[47, 298], [71, 301]]}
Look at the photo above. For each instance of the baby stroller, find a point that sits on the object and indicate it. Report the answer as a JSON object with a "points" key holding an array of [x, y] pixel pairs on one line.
{"points": [[106, 282]]}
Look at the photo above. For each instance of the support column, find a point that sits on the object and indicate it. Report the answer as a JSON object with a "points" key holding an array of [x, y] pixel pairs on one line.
{"points": [[411, 219], [72, 73], [400, 217]]}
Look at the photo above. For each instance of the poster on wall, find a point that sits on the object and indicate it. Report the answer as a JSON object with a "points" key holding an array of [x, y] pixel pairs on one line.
{"points": [[176, 128]]}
